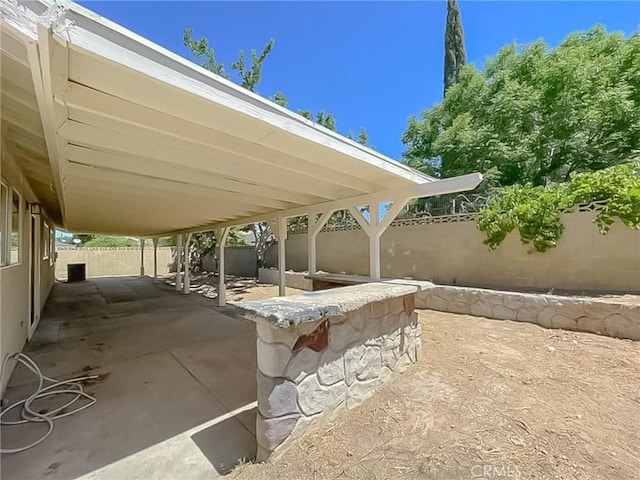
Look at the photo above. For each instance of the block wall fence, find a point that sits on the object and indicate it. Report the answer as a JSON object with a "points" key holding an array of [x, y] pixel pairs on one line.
{"points": [[453, 254], [116, 261]]}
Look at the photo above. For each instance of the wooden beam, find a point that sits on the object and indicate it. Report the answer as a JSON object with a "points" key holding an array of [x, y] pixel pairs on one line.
{"points": [[374, 241], [281, 228], [105, 111], [313, 229], [221, 236], [187, 175], [448, 185], [162, 187], [44, 58], [360, 218], [111, 141], [26, 98]]}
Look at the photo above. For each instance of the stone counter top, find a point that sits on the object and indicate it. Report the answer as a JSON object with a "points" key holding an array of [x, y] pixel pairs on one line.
{"points": [[286, 312]]}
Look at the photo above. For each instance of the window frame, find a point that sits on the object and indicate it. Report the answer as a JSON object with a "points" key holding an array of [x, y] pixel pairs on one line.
{"points": [[52, 246], [46, 238], [5, 243], [15, 191]]}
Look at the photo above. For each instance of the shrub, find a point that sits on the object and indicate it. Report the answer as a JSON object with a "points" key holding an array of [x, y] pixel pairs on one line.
{"points": [[535, 210]]}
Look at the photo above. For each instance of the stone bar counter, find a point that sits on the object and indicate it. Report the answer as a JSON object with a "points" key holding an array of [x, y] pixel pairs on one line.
{"points": [[323, 352]]}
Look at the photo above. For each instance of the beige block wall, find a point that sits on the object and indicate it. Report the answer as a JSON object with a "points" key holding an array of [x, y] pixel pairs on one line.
{"points": [[105, 262], [453, 254]]}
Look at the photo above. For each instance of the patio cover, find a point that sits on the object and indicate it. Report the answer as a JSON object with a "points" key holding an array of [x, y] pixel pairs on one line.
{"points": [[118, 135]]}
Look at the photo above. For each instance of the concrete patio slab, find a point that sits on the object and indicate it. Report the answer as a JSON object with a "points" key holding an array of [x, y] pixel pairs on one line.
{"points": [[176, 398]]}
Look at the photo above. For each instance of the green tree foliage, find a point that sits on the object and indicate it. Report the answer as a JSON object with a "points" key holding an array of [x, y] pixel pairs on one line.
{"points": [[204, 243], [249, 75], [252, 75], [109, 241], [536, 115], [204, 53], [280, 99], [326, 120], [363, 138], [535, 210], [84, 238], [455, 55]]}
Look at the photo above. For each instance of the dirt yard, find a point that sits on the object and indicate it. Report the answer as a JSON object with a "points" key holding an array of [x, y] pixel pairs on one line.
{"points": [[489, 400]]}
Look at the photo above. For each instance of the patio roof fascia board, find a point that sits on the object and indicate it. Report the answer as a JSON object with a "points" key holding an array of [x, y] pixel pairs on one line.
{"points": [[40, 59], [461, 183], [115, 41]]}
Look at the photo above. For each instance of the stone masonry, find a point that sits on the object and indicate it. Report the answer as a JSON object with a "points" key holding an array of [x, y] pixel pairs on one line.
{"points": [[323, 352], [601, 316]]}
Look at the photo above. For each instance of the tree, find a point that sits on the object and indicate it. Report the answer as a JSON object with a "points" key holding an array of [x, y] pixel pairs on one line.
{"points": [[534, 114], [108, 241], [454, 53], [249, 76], [326, 120], [363, 138], [280, 99], [203, 52], [84, 238], [252, 75]]}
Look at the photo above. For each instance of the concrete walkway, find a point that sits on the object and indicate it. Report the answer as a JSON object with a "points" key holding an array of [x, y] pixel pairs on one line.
{"points": [[177, 394]]}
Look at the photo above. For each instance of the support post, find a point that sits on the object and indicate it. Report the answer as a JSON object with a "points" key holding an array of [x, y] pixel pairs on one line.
{"points": [[142, 256], [155, 259], [314, 228], [281, 236], [221, 236], [311, 244], [375, 228], [186, 282], [374, 241], [179, 263]]}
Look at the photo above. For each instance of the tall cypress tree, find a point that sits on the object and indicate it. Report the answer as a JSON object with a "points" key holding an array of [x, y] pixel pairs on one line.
{"points": [[454, 54]]}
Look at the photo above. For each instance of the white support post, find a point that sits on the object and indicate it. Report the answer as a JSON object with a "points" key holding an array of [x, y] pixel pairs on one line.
{"points": [[314, 228], [221, 235], [155, 259], [375, 228], [312, 257], [179, 263], [186, 282], [374, 241], [281, 236], [142, 241]]}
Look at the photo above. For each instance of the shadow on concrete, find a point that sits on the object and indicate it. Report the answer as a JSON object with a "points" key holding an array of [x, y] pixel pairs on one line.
{"points": [[168, 366], [222, 443]]}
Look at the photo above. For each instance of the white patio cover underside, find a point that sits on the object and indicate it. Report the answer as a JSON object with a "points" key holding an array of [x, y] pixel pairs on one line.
{"points": [[117, 135]]}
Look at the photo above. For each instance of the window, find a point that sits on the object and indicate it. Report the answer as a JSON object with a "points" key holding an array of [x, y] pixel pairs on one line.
{"points": [[16, 216], [46, 238], [52, 246], [4, 224]]}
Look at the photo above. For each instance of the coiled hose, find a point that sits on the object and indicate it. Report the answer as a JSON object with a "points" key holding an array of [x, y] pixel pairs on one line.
{"points": [[72, 386]]}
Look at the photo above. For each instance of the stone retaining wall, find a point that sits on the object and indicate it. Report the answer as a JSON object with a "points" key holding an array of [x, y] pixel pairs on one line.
{"points": [[606, 317], [350, 343]]}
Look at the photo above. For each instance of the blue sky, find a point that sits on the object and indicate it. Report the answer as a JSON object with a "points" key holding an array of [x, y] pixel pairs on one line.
{"points": [[371, 64]]}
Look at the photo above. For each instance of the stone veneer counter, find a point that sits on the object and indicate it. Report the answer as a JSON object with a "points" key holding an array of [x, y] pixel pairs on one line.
{"points": [[323, 352]]}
